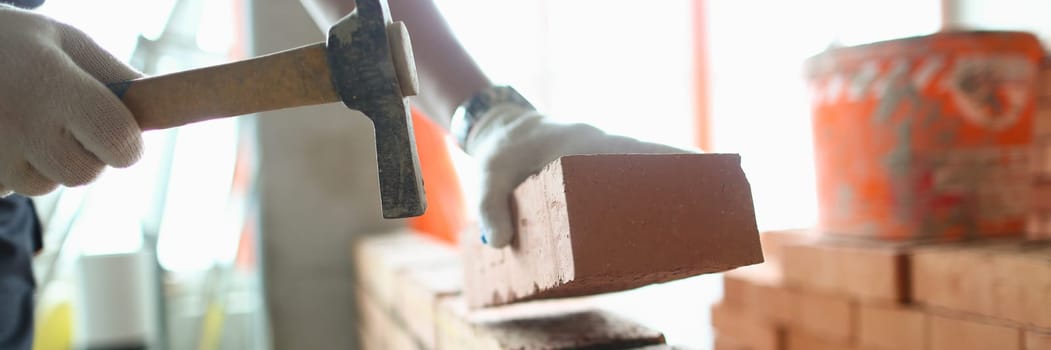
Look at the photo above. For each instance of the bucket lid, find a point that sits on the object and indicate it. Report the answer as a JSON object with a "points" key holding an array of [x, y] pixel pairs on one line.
{"points": [[838, 59]]}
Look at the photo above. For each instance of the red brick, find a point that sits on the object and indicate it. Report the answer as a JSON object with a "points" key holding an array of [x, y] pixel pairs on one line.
{"points": [[774, 242], [591, 224], [1038, 225], [422, 287], [753, 333], [1041, 151], [959, 334], [865, 270], [803, 341], [829, 317], [891, 327], [558, 324], [954, 277], [1037, 341], [378, 330], [1002, 280], [1041, 198], [1022, 289], [723, 342], [379, 259], [759, 290]]}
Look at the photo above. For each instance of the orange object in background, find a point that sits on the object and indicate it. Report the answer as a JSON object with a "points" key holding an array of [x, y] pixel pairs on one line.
{"points": [[446, 211], [925, 137]]}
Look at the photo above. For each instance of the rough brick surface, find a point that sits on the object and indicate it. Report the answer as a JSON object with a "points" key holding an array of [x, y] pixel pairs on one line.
{"points": [[1037, 341], [591, 224], [751, 332], [864, 270], [1002, 280], [891, 327], [544, 325], [960, 334], [830, 317]]}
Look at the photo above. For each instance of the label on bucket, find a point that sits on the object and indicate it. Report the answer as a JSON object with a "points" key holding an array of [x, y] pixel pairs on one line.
{"points": [[991, 90], [914, 140]]}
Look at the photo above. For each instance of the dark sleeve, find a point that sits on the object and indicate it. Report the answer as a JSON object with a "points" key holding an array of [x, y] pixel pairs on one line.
{"points": [[26, 4], [19, 239]]}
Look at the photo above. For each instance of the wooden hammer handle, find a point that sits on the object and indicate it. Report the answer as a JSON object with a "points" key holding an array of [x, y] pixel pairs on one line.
{"points": [[291, 78]]}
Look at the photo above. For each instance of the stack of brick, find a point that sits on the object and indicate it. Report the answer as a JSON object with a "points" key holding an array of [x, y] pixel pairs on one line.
{"points": [[409, 297], [574, 239], [818, 293]]}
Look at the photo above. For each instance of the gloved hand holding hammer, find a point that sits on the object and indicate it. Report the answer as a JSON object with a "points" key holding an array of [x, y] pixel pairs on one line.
{"points": [[58, 122]]}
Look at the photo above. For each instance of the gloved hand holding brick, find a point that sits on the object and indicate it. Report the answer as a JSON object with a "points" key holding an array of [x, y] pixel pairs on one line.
{"points": [[512, 142], [59, 124]]}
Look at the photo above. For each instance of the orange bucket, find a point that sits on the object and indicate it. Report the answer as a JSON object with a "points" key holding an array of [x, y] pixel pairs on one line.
{"points": [[925, 137]]}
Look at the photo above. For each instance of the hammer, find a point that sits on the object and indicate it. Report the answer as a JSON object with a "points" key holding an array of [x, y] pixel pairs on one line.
{"points": [[366, 62]]}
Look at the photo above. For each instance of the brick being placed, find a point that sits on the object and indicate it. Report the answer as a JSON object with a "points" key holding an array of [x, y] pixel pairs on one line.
{"points": [[953, 333], [866, 270], [1001, 280], [738, 327], [592, 224], [554, 325]]}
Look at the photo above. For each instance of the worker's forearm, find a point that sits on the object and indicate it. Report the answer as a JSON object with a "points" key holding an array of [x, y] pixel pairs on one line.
{"points": [[448, 75]]}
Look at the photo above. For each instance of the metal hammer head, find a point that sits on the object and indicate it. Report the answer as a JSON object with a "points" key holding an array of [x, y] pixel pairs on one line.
{"points": [[373, 71]]}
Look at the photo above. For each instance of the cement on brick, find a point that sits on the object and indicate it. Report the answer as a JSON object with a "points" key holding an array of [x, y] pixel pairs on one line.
{"points": [[593, 224], [559, 324]]}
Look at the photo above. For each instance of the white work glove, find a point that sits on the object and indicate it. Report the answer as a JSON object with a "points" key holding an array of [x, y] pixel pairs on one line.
{"points": [[512, 142], [59, 124]]}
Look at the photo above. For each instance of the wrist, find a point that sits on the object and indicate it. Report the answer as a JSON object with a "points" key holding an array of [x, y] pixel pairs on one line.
{"points": [[480, 110]]}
